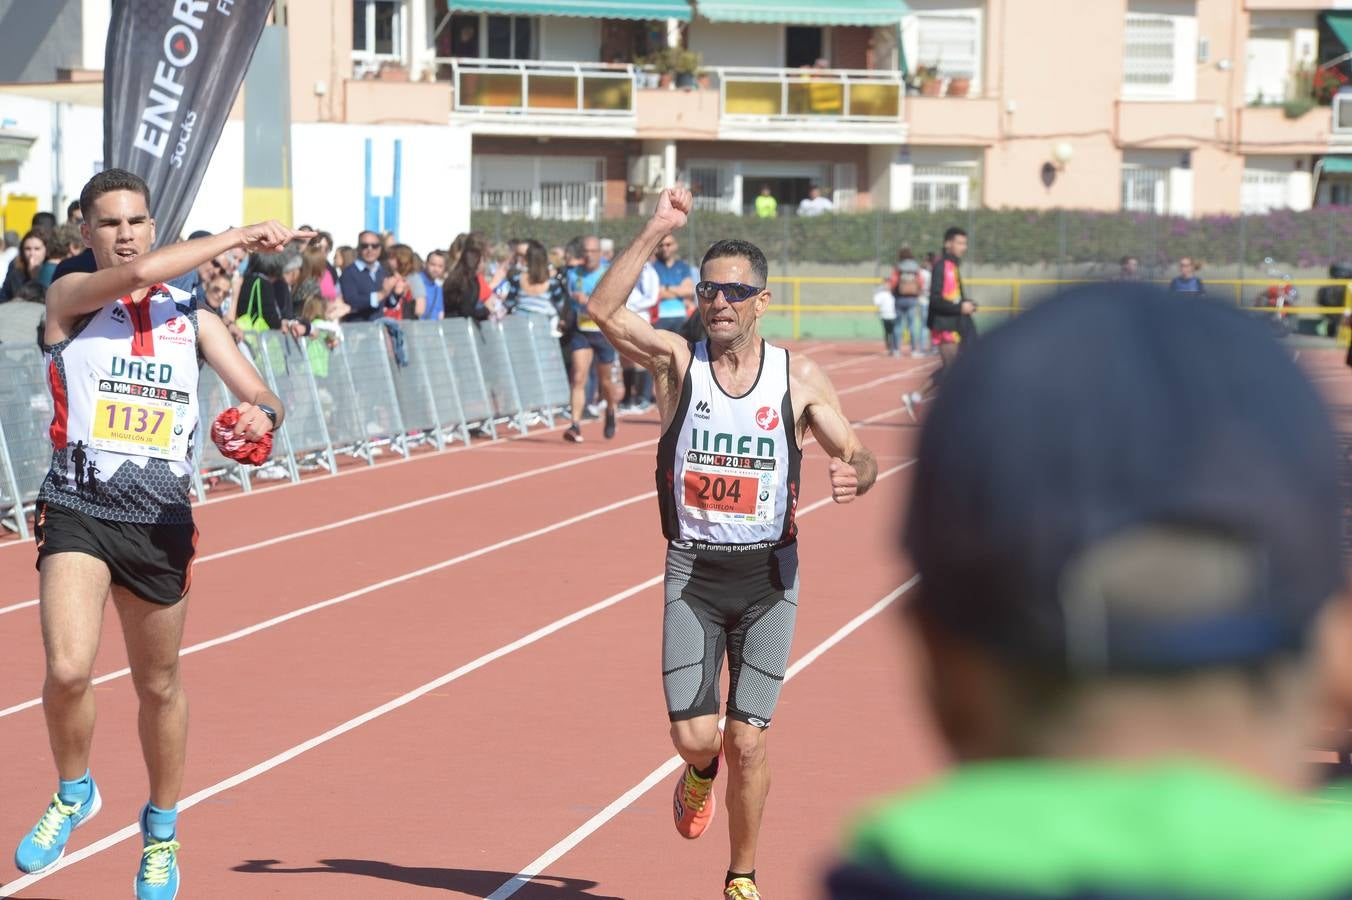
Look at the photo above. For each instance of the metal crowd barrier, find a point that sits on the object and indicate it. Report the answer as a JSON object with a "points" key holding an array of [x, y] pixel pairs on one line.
{"points": [[447, 380], [26, 415]]}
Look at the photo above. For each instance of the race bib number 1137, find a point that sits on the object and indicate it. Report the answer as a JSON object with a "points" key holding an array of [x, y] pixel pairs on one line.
{"points": [[140, 425]]}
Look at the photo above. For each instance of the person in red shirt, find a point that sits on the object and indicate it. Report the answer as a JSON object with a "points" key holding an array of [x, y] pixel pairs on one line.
{"points": [[950, 314]]}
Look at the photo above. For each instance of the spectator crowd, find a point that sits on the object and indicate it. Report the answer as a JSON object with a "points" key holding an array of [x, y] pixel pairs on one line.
{"points": [[314, 286]]}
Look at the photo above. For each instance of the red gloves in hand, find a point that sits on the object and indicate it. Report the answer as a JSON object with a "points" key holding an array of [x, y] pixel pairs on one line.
{"points": [[237, 446]]}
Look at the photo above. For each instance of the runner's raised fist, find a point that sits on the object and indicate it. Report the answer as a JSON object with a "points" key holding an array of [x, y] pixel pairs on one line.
{"points": [[844, 481], [673, 207], [269, 237]]}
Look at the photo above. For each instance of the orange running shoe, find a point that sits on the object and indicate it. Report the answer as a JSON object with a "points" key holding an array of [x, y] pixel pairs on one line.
{"points": [[741, 889], [693, 803]]}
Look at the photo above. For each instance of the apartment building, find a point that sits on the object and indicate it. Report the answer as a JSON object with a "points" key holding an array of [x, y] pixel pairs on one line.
{"points": [[589, 107]]}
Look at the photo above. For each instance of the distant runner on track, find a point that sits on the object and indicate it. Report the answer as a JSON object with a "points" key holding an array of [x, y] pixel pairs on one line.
{"points": [[735, 410], [113, 518]]}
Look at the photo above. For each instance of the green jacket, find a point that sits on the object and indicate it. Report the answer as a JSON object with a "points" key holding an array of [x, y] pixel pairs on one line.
{"points": [[1063, 831]]}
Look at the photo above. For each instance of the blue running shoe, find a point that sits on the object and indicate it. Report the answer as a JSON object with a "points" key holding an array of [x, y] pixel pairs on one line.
{"points": [[44, 846], [157, 878]]}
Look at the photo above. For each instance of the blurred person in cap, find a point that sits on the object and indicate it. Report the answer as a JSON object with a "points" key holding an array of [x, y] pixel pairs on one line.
{"points": [[1133, 614]]}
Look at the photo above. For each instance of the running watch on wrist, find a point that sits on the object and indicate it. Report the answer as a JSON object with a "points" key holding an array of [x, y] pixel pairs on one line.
{"points": [[269, 412]]}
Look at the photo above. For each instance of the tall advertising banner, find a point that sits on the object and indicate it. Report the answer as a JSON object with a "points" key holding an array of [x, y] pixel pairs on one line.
{"points": [[171, 73]]}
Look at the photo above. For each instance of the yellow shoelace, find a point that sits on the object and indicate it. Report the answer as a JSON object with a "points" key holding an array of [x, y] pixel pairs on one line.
{"points": [[49, 826], [696, 789], [159, 860], [742, 889]]}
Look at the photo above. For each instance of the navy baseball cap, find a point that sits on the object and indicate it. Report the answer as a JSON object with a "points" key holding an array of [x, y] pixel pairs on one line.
{"points": [[1126, 480]]}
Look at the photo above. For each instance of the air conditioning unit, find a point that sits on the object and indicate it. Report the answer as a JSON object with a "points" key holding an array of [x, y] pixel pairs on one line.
{"points": [[645, 171], [1342, 112]]}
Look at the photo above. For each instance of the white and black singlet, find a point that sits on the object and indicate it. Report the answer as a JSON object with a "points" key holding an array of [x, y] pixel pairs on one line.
{"points": [[727, 483], [125, 416], [727, 467]]}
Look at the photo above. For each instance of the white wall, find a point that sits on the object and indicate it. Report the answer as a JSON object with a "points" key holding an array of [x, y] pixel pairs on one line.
{"points": [[220, 198], [569, 39], [327, 178], [42, 175], [737, 43], [94, 18], [434, 186], [891, 169]]}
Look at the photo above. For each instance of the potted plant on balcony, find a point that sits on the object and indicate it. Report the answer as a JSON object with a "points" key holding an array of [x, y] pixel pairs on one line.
{"points": [[927, 81], [675, 65], [959, 85], [390, 70], [1326, 82]]}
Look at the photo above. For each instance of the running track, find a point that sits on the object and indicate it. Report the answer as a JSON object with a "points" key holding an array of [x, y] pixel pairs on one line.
{"points": [[442, 676]]}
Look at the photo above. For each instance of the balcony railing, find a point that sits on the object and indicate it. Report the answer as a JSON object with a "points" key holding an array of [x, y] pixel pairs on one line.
{"points": [[809, 95], [528, 87], [575, 201]]}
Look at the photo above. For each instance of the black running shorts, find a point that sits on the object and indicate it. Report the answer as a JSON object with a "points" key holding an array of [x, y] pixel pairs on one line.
{"points": [[154, 562], [740, 602]]}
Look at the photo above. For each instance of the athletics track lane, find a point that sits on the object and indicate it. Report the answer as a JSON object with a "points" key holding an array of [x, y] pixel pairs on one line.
{"points": [[329, 563], [242, 707]]}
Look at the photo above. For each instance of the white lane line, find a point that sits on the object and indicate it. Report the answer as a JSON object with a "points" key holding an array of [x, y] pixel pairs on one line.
{"points": [[408, 576], [361, 592], [668, 768], [460, 492], [403, 700], [402, 507], [356, 470], [423, 501]]}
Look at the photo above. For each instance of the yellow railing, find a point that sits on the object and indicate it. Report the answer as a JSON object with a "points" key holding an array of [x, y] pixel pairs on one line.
{"points": [[522, 86], [868, 95], [796, 307]]}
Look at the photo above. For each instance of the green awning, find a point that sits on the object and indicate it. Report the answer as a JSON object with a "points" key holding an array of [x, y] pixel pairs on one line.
{"points": [[585, 9], [1338, 165], [805, 12], [1340, 23]]}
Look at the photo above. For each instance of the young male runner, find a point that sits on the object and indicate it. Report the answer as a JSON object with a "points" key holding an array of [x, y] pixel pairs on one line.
{"points": [[735, 410], [123, 353]]}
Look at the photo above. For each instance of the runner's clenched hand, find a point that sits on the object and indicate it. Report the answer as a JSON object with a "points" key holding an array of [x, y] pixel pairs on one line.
{"points": [[253, 423], [673, 207], [844, 481]]}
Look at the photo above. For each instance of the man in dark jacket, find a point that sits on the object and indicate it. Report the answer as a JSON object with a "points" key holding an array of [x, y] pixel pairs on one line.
{"points": [[1134, 617], [366, 285], [950, 313]]}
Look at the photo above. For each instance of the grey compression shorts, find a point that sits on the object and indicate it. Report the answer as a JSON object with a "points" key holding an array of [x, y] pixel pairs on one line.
{"points": [[742, 602]]}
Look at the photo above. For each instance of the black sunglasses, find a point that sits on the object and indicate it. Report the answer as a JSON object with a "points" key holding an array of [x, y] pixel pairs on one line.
{"points": [[733, 291], [370, 246]]}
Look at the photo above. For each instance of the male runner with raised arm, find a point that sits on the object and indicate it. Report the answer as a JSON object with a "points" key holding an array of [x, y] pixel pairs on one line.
{"points": [[735, 410], [113, 519]]}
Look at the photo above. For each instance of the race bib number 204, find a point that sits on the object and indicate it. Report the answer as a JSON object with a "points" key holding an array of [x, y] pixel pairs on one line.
{"points": [[732, 489]]}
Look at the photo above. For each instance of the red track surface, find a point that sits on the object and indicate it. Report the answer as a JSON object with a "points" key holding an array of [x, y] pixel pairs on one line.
{"points": [[461, 788], [465, 785]]}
